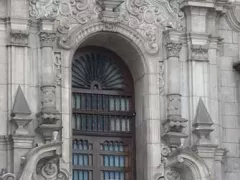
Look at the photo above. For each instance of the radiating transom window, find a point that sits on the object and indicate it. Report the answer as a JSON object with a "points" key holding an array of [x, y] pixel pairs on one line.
{"points": [[102, 117]]}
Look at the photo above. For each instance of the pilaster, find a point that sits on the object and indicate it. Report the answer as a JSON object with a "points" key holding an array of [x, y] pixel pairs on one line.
{"points": [[174, 123], [48, 118]]}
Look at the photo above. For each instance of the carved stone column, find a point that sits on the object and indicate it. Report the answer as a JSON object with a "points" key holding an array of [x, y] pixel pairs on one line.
{"points": [[49, 116], [174, 123]]}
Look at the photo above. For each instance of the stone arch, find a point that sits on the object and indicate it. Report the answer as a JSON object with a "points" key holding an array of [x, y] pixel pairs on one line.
{"points": [[143, 66]]}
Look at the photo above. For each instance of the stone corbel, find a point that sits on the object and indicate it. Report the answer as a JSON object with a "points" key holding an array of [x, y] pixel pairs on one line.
{"points": [[18, 37]]}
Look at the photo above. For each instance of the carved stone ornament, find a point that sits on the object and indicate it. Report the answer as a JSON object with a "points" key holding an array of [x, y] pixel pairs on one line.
{"points": [[48, 169], [173, 49], [174, 104], [7, 176], [47, 38], [172, 174], [199, 52], [19, 38], [140, 20], [161, 78], [49, 114], [57, 68]]}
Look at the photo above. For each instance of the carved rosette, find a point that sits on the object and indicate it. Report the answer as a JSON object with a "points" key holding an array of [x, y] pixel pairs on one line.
{"points": [[49, 170], [199, 52], [19, 38], [173, 48], [47, 39]]}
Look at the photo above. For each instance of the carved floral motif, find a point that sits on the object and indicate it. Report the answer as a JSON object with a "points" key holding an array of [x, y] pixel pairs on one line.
{"points": [[173, 48]]}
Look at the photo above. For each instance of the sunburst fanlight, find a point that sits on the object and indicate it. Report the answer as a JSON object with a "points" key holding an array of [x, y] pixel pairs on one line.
{"points": [[94, 70]]}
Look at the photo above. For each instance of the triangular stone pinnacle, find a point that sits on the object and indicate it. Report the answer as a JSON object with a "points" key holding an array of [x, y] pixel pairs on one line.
{"points": [[202, 115], [20, 105]]}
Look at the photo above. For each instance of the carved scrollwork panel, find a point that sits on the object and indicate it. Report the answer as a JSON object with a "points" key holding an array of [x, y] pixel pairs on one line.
{"points": [[146, 17]]}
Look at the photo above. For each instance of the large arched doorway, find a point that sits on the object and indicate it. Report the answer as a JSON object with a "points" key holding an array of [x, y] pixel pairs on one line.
{"points": [[102, 116]]}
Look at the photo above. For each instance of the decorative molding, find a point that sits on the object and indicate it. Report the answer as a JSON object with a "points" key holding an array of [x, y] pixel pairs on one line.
{"points": [[19, 38], [199, 52], [57, 67], [147, 18], [47, 38], [174, 104], [161, 78], [173, 48]]}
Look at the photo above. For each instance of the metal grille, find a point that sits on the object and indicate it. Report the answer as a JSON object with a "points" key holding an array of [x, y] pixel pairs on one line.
{"points": [[102, 118]]}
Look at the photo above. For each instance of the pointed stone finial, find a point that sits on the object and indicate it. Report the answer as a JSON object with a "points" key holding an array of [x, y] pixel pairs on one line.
{"points": [[20, 105], [21, 113], [203, 123]]}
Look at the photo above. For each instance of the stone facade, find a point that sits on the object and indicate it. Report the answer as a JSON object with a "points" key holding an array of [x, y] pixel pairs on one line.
{"points": [[184, 59]]}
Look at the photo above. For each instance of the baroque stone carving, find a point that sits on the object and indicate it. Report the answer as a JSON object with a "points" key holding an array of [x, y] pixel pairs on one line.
{"points": [[173, 48], [47, 38], [18, 37], [148, 18], [7, 176], [57, 67], [199, 52], [44, 8]]}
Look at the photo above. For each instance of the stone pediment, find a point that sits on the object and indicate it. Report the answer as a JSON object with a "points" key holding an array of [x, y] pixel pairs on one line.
{"points": [[146, 18]]}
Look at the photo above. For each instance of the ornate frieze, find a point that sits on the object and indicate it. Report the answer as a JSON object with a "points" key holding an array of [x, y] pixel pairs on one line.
{"points": [[47, 39], [57, 64], [147, 18], [19, 38], [173, 48], [199, 52]]}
